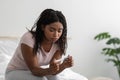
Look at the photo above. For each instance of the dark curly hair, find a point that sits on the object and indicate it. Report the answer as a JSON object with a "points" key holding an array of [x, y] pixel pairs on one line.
{"points": [[47, 17]]}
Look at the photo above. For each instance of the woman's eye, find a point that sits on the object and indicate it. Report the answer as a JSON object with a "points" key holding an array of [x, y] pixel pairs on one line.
{"points": [[51, 30], [60, 31]]}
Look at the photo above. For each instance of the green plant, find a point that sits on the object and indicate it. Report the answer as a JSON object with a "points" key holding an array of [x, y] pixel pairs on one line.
{"points": [[112, 49]]}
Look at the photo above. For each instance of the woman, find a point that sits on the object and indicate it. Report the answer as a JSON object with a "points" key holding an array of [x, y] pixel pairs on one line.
{"points": [[44, 44]]}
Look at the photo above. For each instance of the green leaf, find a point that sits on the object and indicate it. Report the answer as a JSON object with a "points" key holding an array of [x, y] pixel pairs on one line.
{"points": [[101, 36], [116, 63], [108, 51], [117, 50], [111, 51], [113, 41]]}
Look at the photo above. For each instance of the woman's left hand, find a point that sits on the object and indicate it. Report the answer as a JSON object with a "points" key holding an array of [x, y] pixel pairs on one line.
{"points": [[68, 62]]}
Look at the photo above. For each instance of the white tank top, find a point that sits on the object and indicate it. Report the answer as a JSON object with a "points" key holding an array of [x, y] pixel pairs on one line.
{"points": [[17, 61]]}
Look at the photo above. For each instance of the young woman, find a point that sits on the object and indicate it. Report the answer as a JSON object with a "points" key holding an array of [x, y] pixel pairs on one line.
{"points": [[44, 44]]}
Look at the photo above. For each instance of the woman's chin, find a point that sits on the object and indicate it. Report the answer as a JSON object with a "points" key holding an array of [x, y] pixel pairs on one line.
{"points": [[54, 40]]}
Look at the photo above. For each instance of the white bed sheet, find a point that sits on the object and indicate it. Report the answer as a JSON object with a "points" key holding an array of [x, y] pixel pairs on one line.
{"points": [[7, 48]]}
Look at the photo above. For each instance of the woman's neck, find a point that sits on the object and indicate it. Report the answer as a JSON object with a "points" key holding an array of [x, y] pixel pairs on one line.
{"points": [[46, 45], [46, 42]]}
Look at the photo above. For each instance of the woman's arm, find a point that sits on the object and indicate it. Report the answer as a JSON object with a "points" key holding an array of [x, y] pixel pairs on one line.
{"points": [[32, 63]]}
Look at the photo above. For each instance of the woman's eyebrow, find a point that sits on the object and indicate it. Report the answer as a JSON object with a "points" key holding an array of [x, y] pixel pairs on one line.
{"points": [[52, 28], [55, 29], [61, 28]]}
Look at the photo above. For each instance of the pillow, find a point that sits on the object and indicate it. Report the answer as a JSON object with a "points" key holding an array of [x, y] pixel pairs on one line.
{"points": [[7, 48]]}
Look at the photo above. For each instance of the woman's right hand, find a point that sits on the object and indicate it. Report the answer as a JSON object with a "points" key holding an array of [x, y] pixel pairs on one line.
{"points": [[54, 67]]}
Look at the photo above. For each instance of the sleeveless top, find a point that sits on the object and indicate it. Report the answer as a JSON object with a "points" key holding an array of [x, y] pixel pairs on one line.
{"points": [[17, 61]]}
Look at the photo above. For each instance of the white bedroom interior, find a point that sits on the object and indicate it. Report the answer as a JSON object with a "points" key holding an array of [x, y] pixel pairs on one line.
{"points": [[85, 19]]}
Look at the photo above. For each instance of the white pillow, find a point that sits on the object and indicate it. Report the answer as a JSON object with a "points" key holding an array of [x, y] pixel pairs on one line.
{"points": [[7, 48]]}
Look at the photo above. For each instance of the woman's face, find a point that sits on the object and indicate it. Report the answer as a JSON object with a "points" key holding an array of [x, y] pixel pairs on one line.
{"points": [[53, 31]]}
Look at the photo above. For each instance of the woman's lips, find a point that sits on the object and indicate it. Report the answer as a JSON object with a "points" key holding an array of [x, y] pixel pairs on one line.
{"points": [[54, 39]]}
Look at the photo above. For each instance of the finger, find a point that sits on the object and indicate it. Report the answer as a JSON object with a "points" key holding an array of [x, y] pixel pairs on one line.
{"points": [[57, 67], [58, 61], [70, 57]]}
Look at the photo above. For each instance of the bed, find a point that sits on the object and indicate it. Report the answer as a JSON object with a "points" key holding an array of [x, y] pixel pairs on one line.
{"points": [[7, 48]]}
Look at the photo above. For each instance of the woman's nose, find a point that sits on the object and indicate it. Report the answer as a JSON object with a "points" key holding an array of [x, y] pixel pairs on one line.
{"points": [[55, 34]]}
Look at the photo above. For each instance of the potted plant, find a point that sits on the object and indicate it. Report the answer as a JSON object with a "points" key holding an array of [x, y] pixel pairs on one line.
{"points": [[112, 50]]}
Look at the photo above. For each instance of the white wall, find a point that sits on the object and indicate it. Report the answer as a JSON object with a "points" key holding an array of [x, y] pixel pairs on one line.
{"points": [[85, 18]]}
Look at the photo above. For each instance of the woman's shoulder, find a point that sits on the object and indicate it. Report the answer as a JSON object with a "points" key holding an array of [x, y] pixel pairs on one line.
{"points": [[27, 36], [28, 33], [27, 39]]}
